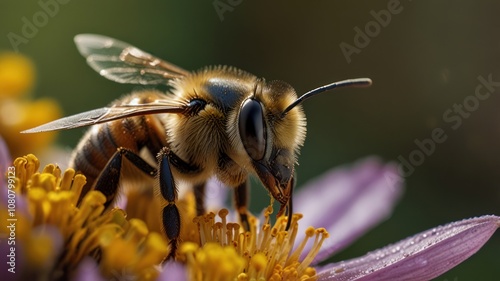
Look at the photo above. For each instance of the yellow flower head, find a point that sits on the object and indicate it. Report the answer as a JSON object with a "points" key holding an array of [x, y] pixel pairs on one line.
{"points": [[17, 111], [225, 252], [17, 75], [58, 230], [83, 229]]}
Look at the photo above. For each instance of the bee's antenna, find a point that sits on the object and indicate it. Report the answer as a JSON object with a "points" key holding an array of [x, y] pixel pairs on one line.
{"points": [[358, 82]]}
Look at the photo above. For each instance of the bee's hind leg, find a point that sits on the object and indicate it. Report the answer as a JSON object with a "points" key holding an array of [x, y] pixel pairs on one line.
{"points": [[108, 180]]}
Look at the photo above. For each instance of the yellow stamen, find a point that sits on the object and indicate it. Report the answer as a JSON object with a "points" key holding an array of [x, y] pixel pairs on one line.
{"points": [[212, 261], [122, 246], [265, 255], [211, 247]]}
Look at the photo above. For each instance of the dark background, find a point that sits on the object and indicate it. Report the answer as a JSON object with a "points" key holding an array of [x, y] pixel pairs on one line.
{"points": [[425, 60]]}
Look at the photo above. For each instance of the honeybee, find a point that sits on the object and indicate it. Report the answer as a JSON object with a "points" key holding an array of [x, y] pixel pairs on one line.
{"points": [[219, 121]]}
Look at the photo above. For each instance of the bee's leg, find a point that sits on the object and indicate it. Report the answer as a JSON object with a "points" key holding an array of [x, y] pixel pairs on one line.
{"points": [[107, 183], [189, 169], [289, 206], [199, 195], [241, 202], [171, 218], [108, 180]]}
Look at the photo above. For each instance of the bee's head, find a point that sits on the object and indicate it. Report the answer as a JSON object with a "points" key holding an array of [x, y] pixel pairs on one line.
{"points": [[270, 138], [272, 128]]}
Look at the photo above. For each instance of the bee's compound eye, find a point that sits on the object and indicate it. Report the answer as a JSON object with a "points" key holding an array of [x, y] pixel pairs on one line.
{"points": [[253, 129]]}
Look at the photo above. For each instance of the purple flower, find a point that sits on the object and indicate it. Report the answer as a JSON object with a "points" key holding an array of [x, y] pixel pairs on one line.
{"points": [[5, 162], [173, 271], [349, 201], [423, 256], [334, 210]]}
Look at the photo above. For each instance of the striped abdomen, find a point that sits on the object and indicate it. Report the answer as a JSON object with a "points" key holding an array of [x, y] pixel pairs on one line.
{"points": [[101, 141]]}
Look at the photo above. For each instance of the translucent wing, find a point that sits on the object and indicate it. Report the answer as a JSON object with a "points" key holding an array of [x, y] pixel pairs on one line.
{"points": [[107, 114], [123, 63]]}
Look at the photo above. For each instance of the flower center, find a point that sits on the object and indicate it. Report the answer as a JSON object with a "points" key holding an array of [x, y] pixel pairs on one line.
{"points": [[263, 253], [121, 245], [59, 232]]}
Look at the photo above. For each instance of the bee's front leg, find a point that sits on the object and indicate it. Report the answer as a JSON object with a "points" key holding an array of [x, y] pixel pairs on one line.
{"points": [[171, 218]]}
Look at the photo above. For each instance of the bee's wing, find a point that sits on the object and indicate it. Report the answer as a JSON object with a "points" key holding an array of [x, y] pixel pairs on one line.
{"points": [[123, 63], [107, 114]]}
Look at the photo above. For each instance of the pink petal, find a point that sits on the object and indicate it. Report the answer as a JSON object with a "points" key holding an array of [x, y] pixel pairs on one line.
{"points": [[5, 162], [173, 271], [420, 257], [88, 270], [215, 194], [348, 202]]}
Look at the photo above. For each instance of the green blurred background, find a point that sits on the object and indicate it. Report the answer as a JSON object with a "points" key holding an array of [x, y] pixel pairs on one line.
{"points": [[423, 62]]}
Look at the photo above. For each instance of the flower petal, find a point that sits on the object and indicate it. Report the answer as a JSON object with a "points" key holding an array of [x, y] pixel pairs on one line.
{"points": [[173, 271], [420, 257], [348, 202], [5, 161], [88, 270], [215, 194]]}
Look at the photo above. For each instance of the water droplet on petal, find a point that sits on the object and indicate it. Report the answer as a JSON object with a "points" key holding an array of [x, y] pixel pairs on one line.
{"points": [[420, 261]]}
